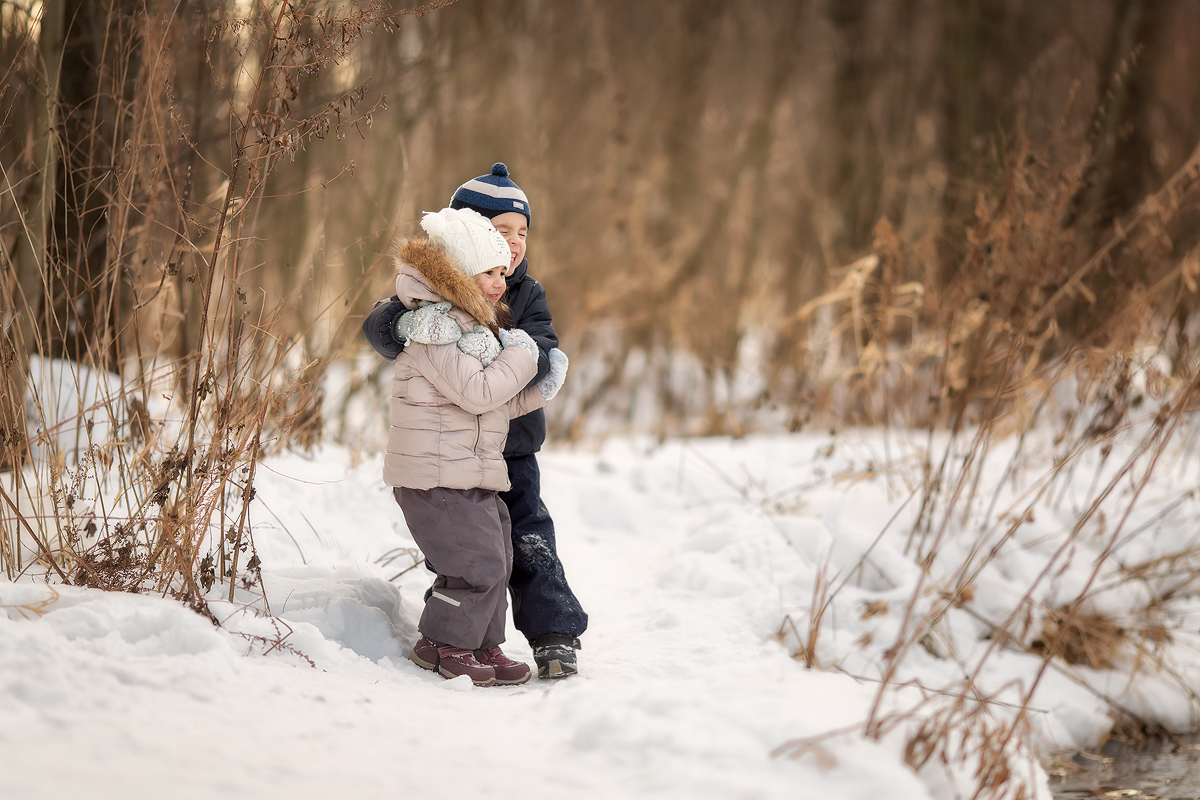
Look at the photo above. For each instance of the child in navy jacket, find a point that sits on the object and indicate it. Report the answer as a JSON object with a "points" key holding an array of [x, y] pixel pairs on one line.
{"points": [[544, 608]]}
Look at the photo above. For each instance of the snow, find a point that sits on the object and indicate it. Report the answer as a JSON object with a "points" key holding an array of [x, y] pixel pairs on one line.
{"points": [[77, 400], [698, 561]]}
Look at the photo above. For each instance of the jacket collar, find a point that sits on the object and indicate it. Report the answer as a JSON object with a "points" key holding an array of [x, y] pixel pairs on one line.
{"points": [[426, 273], [518, 274]]}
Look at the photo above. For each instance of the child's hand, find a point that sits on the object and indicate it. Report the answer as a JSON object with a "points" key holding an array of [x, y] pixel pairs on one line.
{"points": [[428, 325], [480, 343], [515, 337], [554, 379], [380, 328]]}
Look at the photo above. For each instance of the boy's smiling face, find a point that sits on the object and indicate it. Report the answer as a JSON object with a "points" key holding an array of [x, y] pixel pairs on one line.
{"points": [[514, 228]]}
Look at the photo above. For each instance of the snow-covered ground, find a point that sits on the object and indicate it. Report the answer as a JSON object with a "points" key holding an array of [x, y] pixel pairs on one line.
{"points": [[697, 562]]}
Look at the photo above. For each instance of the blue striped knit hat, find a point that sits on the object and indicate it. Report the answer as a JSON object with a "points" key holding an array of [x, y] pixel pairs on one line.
{"points": [[492, 194]]}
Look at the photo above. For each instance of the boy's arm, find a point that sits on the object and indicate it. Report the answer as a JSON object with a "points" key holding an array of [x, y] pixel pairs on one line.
{"points": [[380, 327], [390, 325], [535, 320]]}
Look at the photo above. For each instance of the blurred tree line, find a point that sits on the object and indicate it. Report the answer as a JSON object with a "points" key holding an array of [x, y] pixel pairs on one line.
{"points": [[699, 171]]}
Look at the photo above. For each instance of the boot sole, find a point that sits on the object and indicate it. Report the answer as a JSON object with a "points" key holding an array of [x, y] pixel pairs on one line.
{"points": [[523, 679], [422, 663], [555, 669], [448, 675]]}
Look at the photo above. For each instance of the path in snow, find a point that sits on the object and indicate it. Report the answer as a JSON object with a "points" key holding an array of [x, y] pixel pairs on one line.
{"points": [[684, 692]]}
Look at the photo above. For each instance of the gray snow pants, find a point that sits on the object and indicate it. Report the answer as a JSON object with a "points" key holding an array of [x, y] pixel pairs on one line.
{"points": [[465, 533]]}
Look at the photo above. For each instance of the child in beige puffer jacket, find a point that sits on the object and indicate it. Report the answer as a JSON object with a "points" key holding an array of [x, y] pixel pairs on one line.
{"points": [[449, 421]]}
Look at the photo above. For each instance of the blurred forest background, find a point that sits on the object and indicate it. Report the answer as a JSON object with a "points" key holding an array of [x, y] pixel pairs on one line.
{"points": [[745, 214], [700, 173]]}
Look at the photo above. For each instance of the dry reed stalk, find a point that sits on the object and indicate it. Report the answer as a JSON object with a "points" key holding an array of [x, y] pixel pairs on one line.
{"points": [[820, 602], [160, 498], [990, 348]]}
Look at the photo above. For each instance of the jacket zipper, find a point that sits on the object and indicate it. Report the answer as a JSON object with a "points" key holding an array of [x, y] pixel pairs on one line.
{"points": [[478, 433]]}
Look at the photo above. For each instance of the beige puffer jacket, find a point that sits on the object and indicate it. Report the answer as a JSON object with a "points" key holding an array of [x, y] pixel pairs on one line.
{"points": [[449, 415]]}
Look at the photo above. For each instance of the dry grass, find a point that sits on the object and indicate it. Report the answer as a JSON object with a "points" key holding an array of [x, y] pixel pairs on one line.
{"points": [[134, 245], [130, 244], [1048, 320], [1092, 640]]}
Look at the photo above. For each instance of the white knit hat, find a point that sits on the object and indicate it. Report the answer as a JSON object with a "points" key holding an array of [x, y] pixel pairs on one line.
{"points": [[468, 236]]}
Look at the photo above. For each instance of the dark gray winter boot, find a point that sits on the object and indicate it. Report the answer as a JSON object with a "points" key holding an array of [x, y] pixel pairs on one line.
{"points": [[555, 655]]}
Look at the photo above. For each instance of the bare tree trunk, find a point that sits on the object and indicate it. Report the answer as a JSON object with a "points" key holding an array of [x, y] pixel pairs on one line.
{"points": [[1109, 117], [31, 256]]}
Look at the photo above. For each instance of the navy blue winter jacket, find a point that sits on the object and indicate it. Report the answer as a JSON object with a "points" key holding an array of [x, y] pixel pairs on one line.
{"points": [[531, 313]]}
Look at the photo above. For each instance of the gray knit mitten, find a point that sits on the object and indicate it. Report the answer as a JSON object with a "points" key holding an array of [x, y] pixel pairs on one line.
{"points": [[430, 324], [553, 381], [480, 343], [515, 337]]}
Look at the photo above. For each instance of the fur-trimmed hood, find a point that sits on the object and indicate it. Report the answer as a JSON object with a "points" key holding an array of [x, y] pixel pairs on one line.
{"points": [[425, 274]]}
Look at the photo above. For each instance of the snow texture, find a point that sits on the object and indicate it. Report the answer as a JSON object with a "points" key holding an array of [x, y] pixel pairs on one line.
{"points": [[697, 562]]}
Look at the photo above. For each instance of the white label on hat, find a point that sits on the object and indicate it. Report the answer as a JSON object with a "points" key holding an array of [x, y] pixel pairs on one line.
{"points": [[518, 204]]}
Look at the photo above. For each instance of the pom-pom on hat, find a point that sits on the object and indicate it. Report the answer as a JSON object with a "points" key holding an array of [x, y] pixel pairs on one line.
{"points": [[492, 194], [473, 244]]}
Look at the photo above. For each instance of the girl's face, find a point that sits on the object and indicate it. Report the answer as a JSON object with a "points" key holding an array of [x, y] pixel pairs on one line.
{"points": [[492, 283], [514, 228]]}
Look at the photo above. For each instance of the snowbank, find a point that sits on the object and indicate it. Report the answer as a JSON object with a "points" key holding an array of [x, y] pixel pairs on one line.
{"points": [[698, 562]]}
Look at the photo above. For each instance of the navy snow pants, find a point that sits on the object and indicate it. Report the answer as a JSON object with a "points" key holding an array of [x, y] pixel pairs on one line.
{"points": [[542, 602]]}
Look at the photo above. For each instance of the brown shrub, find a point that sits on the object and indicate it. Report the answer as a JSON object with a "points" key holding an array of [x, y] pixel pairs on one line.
{"points": [[1091, 640]]}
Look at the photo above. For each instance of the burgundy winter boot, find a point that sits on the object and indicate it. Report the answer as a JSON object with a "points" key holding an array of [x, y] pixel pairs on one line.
{"points": [[508, 672], [424, 654], [450, 662]]}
